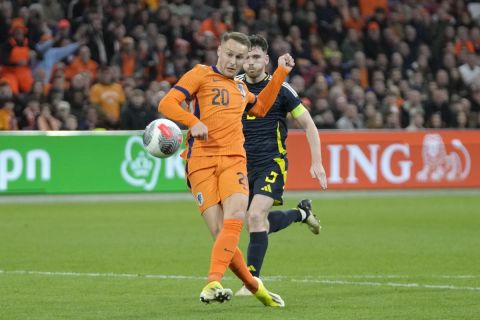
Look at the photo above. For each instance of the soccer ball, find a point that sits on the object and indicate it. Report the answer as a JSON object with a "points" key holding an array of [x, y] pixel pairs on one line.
{"points": [[162, 138]]}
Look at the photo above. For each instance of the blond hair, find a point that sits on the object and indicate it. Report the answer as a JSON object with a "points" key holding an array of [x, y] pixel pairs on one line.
{"points": [[238, 37]]}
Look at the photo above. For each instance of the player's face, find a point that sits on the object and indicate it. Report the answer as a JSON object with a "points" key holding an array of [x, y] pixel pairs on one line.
{"points": [[256, 61], [231, 56]]}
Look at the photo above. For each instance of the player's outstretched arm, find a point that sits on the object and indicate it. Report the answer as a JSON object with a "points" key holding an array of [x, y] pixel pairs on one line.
{"points": [[316, 169], [170, 107], [267, 96]]}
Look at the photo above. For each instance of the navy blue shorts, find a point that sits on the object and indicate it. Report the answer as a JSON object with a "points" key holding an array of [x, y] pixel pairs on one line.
{"points": [[269, 180]]}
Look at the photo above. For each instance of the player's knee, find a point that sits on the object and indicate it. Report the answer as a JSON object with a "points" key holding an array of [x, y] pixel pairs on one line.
{"points": [[256, 219], [239, 214]]}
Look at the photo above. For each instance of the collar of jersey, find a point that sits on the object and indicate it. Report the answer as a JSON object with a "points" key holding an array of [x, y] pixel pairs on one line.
{"points": [[266, 77], [216, 70]]}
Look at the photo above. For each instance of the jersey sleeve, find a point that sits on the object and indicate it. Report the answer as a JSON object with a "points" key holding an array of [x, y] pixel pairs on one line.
{"points": [[170, 106], [190, 82], [292, 100], [267, 96]]}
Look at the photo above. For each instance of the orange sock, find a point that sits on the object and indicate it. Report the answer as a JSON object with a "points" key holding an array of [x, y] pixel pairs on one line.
{"points": [[224, 248], [239, 267]]}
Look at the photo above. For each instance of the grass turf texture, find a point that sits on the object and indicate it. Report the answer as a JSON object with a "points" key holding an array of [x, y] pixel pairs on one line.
{"points": [[376, 258]]}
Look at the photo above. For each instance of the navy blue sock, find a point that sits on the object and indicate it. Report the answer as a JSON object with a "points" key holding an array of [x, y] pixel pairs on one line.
{"points": [[257, 248], [281, 219]]}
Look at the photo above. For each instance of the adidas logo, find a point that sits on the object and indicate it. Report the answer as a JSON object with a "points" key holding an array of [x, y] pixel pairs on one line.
{"points": [[141, 166], [267, 188]]}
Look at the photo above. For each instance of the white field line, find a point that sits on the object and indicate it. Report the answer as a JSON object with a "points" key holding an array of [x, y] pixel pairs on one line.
{"points": [[309, 279], [181, 196], [385, 276]]}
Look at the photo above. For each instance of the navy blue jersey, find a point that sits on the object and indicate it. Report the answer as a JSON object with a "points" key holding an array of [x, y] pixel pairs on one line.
{"points": [[265, 137]]}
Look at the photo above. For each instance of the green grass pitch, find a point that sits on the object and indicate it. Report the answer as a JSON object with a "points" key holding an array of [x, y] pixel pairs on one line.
{"points": [[381, 257]]}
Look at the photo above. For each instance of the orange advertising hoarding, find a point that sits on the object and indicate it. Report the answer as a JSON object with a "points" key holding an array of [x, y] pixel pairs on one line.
{"points": [[388, 159]]}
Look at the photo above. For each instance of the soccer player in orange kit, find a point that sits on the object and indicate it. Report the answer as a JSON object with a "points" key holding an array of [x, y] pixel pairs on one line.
{"points": [[216, 160]]}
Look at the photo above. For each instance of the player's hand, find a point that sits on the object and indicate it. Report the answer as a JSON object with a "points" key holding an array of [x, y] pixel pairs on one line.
{"points": [[286, 61], [317, 171], [199, 131]]}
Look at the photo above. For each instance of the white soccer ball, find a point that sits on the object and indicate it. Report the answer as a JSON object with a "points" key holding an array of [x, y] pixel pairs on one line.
{"points": [[162, 138]]}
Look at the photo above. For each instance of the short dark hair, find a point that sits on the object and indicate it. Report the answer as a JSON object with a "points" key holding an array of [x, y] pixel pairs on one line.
{"points": [[237, 36], [259, 41]]}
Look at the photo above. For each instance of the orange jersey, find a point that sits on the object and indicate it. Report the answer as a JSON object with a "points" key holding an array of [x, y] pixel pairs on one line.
{"points": [[219, 103]]}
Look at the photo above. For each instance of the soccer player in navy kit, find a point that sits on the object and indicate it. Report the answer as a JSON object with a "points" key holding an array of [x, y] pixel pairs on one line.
{"points": [[267, 159]]}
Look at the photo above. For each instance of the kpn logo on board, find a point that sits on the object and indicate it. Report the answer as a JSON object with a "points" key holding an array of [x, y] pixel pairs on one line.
{"points": [[34, 165], [140, 169]]}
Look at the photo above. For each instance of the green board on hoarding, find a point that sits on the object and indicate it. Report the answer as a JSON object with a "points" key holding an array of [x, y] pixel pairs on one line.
{"points": [[89, 162]]}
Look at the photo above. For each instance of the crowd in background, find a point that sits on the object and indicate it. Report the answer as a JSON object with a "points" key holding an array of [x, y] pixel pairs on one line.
{"points": [[92, 64]]}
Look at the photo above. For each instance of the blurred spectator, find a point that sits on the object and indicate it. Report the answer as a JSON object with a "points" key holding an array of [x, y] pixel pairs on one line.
{"points": [[52, 12], [77, 94], [214, 24], [62, 112], [350, 119], [91, 120], [96, 41], [319, 88], [322, 115], [29, 115], [412, 104], [49, 56], [82, 63], [375, 121], [201, 10], [298, 84], [351, 45], [435, 121], [109, 97], [352, 18], [372, 42], [470, 70], [416, 121], [45, 121], [126, 58], [461, 120], [137, 113], [463, 41], [439, 104], [361, 69], [15, 56], [8, 121], [71, 123]]}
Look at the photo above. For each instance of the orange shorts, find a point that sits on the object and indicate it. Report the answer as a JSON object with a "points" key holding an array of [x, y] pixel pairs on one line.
{"points": [[213, 179]]}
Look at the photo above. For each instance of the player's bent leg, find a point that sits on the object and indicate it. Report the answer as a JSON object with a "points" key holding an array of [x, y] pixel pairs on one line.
{"points": [[309, 218], [281, 219], [227, 240], [214, 291], [258, 244], [213, 217], [224, 248]]}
